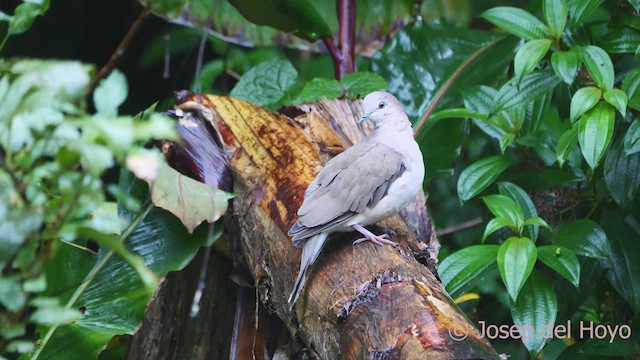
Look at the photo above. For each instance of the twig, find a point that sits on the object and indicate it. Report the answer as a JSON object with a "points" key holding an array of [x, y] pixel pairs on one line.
{"points": [[459, 227], [108, 67], [343, 54]]}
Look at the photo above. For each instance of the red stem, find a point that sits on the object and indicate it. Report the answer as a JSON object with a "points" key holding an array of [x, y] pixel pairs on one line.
{"points": [[343, 54]]}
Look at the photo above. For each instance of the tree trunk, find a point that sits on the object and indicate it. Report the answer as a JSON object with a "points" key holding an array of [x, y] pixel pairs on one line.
{"points": [[363, 301]]}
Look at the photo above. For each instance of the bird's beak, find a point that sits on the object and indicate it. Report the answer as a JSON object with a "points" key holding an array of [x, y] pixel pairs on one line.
{"points": [[364, 118]]}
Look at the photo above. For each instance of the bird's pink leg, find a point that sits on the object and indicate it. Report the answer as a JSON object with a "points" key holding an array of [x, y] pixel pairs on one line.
{"points": [[368, 235]]}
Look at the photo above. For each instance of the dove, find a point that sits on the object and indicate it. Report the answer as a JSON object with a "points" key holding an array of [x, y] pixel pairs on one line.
{"points": [[368, 182]]}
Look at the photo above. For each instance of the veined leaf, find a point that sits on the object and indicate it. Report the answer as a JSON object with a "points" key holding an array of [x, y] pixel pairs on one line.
{"points": [[566, 65], [583, 100], [555, 13], [535, 309], [516, 21], [479, 175], [579, 10], [524, 203], [585, 238], [496, 224], [464, 269], [531, 87], [562, 260], [528, 57], [266, 84], [622, 174], [618, 99], [595, 131], [632, 138], [566, 144], [516, 258], [599, 66], [504, 207]]}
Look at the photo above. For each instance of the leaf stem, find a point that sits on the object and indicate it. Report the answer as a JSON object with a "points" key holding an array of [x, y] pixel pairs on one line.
{"points": [[343, 55], [91, 275], [448, 84]]}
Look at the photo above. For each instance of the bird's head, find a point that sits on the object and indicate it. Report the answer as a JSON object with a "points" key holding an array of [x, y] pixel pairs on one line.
{"points": [[380, 106]]}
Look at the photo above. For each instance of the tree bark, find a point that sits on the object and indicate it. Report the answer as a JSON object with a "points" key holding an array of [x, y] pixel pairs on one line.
{"points": [[363, 301]]}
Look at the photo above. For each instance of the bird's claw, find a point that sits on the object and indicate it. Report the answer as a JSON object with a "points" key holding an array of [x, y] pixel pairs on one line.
{"points": [[377, 239]]}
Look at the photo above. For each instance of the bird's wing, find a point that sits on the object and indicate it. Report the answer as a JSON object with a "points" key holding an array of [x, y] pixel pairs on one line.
{"points": [[357, 178]]}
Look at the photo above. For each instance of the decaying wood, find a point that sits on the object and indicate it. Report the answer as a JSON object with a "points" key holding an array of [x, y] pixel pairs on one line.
{"points": [[363, 301]]}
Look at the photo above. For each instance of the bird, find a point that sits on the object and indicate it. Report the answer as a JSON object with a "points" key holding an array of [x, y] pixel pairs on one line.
{"points": [[368, 182]]}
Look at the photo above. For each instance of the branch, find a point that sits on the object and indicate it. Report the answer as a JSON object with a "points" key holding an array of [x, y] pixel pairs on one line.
{"points": [[343, 55], [108, 67]]}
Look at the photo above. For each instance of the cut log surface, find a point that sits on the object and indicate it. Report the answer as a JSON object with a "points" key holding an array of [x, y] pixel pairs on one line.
{"points": [[359, 302]]}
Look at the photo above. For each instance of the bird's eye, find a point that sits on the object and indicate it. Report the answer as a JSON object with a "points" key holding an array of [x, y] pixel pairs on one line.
{"points": [[381, 105]]}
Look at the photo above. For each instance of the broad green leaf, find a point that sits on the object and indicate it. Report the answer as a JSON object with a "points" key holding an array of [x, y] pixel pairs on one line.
{"points": [[314, 90], [530, 88], [189, 200], [632, 138], [496, 224], [479, 98], [536, 111], [625, 253], [595, 131], [622, 174], [579, 10], [585, 238], [25, 14], [535, 311], [562, 260], [538, 221], [555, 13], [359, 84], [266, 84], [441, 145], [464, 269], [455, 114], [516, 258], [479, 175], [566, 144], [618, 99], [630, 85], [528, 57], [566, 65], [110, 94], [296, 16], [504, 207], [524, 203], [451, 60], [516, 21], [599, 66], [624, 41], [584, 100]]}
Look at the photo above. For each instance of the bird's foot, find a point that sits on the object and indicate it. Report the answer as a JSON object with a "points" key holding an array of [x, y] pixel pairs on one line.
{"points": [[368, 235]]}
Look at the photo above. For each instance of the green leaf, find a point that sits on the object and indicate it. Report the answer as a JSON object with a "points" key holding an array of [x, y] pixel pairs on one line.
{"points": [[359, 84], [516, 258], [538, 221], [16, 225], [479, 98], [479, 175], [12, 297], [579, 10], [624, 41], [266, 84], [566, 65], [447, 55], [622, 174], [506, 140], [595, 131], [618, 99], [599, 66], [191, 201], [562, 260], [25, 14], [496, 224], [532, 86], [584, 100], [555, 13], [296, 16], [314, 90], [110, 94], [516, 21], [566, 144], [524, 203], [625, 253], [528, 57], [464, 269], [631, 83], [632, 138], [535, 311], [585, 238], [504, 207]]}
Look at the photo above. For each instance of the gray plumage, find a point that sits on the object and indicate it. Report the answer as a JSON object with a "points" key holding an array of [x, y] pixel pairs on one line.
{"points": [[366, 183]]}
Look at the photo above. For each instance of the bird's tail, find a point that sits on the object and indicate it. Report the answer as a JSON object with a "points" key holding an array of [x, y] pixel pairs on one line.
{"points": [[310, 252]]}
